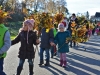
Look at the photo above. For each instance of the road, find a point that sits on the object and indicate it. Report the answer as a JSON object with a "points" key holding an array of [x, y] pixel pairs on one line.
{"points": [[79, 61]]}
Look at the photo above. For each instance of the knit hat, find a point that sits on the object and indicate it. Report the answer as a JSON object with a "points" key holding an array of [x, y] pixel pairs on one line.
{"points": [[31, 21], [61, 25]]}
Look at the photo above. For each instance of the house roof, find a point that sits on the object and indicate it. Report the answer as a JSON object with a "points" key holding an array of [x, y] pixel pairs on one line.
{"points": [[97, 14], [92, 17]]}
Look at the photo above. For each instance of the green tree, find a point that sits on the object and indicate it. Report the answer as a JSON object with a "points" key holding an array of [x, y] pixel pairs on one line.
{"points": [[1, 2]]}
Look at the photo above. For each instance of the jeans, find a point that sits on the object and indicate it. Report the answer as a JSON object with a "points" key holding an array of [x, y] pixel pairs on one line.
{"points": [[72, 42], [1, 66], [21, 62], [47, 54], [20, 67], [52, 50]]}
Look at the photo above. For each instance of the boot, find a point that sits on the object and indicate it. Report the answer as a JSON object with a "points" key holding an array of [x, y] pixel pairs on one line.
{"points": [[51, 55], [55, 53], [71, 44], [19, 69], [74, 44], [47, 63], [64, 62], [41, 62], [61, 62], [31, 70]]}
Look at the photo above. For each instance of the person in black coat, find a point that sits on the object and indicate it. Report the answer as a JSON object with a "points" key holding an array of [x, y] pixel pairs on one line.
{"points": [[72, 19], [26, 51]]}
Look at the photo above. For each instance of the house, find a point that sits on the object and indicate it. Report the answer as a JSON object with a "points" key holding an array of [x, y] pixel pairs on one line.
{"points": [[96, 17]]}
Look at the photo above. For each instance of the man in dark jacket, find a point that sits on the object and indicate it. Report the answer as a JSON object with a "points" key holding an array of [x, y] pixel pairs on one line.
{"points": [[46, 42]]}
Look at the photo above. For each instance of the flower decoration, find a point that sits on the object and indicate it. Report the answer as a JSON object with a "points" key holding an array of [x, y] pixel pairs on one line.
{"points": [[45, 20], [73, 24], [68, 38], [42, 20], [3, 15], [47, 30], [58, 17], [91, 26]]}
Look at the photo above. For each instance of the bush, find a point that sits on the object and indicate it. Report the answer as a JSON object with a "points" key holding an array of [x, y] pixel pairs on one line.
{"points": [[13, 27], [15, 17]]}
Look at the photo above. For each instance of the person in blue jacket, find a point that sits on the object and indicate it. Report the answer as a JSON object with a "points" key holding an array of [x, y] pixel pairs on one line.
{"points": [[47, 38], [61, 39]]}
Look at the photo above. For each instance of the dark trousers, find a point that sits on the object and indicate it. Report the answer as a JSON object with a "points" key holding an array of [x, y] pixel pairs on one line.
{"points": [[52, 51], [1, 66], [72, 42], [47, 54], [21, 63]]}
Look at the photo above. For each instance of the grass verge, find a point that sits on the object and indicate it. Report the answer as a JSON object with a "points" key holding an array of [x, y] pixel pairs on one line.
{"points": [[12, 37]]}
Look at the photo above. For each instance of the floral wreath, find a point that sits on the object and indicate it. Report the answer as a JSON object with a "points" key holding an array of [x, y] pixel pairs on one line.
{"points": [[3, 15]]}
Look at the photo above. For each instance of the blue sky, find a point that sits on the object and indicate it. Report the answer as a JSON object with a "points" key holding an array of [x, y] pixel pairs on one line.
{"points": [[81, 6]]}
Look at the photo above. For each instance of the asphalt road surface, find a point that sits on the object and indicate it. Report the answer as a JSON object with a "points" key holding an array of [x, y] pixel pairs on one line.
{"points": [[79, 61]]}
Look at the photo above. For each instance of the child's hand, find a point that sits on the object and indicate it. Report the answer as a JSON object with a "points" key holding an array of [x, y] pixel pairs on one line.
{"points": [[52, 44], [66, 41], [37, 41]]}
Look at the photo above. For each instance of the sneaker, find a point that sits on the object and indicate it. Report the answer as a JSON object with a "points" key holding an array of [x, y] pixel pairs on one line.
{"points": [[64, 66], [71, 46], [31, 74], [60, 65], [52, 55], [47, 64], [41, 63], [55, 54]]}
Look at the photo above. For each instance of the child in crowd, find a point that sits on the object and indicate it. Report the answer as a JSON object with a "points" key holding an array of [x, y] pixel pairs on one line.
{"points": [[47, 39], [53, 48], [98, 31], [26, 51], [61, 40], [5, 42]]}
